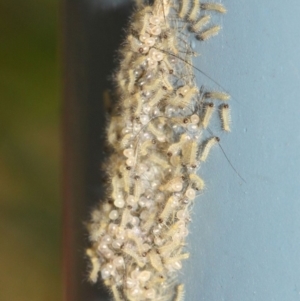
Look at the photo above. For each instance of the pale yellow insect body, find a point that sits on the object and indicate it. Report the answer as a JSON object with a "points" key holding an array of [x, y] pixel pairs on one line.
{"points": [[158, 137]]}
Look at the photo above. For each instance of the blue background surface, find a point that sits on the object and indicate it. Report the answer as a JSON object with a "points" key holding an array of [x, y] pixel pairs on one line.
{"points": [[245, 237]]}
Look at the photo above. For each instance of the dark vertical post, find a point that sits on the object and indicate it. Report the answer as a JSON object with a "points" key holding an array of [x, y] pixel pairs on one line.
{"points": [[92, 32]]}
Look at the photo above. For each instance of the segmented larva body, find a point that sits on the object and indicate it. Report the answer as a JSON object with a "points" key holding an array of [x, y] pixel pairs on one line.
{"points": [[225, 117], [138, 234]]}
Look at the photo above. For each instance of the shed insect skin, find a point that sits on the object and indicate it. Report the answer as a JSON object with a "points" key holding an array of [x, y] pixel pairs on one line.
{"points": [[205, 35], [225, 117]]}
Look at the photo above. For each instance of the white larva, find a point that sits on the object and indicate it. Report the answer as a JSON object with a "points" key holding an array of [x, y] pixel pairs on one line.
{"points": [[171, 43], [145, 19], [176, 258], [198, 25], [134, 43], [157, 97], [112, 132], [208, 111], [217, 95], [130, 252], [171, 204], [143, 150], [155, 260], [116, 186], [189, 152], [193, 153], [125, 218], [180, 121], [197, 182], [116, 293], [137, 189], [194, 12], [175, 228], [166, 84], [126, 173], [184, 9], [179, 293], [218, 7], [125, 140], [170, 247], [205, 35], [176, 147], [166, 66], [147, 226], [163, 162], [207, 147], [225, 117], [155, 84], [139, 107], [138, 242], [187, 97], [184, 97], [174, 185], [121, 80], [127, 58], [155, 131], [95, 265], [175, 160]]}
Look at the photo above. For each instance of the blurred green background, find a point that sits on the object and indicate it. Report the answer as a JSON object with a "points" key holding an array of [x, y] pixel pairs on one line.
{"points": [[30, 151]]}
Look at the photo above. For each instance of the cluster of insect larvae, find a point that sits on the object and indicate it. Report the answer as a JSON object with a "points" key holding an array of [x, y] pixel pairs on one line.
{"points": [[155, 133]]}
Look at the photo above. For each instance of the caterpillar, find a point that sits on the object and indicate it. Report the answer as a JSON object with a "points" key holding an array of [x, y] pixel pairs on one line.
{"points": [[155, 131]]}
